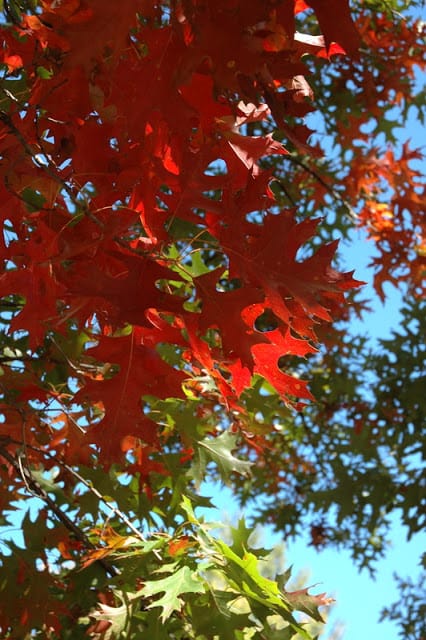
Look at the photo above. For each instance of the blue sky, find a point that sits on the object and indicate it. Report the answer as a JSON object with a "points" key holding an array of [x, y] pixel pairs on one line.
{"points": [[359, 597]]}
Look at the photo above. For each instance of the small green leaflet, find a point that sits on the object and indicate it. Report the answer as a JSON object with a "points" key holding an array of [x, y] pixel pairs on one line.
{"points": [[218, 450], [182, 581]]}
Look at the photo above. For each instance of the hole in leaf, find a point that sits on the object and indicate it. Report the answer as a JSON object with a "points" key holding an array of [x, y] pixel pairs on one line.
{"points": [[267, 321], [224, 284], [216, 167], [213, 194]]}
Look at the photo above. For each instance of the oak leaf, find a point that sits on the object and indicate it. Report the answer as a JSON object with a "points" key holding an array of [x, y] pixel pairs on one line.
{"points": [[179, 583]]}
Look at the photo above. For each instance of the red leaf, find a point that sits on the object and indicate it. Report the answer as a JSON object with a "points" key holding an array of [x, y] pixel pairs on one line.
{"points": [[142, 372], [299, 294], [249, 149]]}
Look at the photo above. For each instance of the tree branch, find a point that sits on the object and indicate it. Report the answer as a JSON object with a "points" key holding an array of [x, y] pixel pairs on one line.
{"points": [[34, 488]]}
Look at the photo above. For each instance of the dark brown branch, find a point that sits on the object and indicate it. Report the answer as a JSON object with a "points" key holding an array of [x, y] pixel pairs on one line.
{"points": [[35, 489]]}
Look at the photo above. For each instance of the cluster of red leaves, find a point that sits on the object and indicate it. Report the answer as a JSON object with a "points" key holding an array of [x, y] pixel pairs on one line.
{"points": [[107, 150], [389, 185], [398, 226]]}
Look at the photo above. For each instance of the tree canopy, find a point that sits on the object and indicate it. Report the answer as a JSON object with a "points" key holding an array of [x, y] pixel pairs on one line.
{"points": [[176, 178]]}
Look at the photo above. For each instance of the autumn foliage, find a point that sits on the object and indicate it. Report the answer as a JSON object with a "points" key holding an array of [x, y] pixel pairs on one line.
{"points": [[161, 282]]}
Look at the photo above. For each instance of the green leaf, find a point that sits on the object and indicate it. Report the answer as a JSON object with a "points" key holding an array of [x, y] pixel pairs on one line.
{"points": [[253, 583], [224, 620], [183, 581], [240, 538], [46, 479], [13, 89], [118, 617], [218, 450]]}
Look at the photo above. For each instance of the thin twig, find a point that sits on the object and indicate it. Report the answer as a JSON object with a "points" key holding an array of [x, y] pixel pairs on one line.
{"points": [[13, 129], [48, 166], [286, 193], [336, 195]]}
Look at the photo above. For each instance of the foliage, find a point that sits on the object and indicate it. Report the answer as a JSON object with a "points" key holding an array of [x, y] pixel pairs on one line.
{"points": [[170, 311], [410, 610]]}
